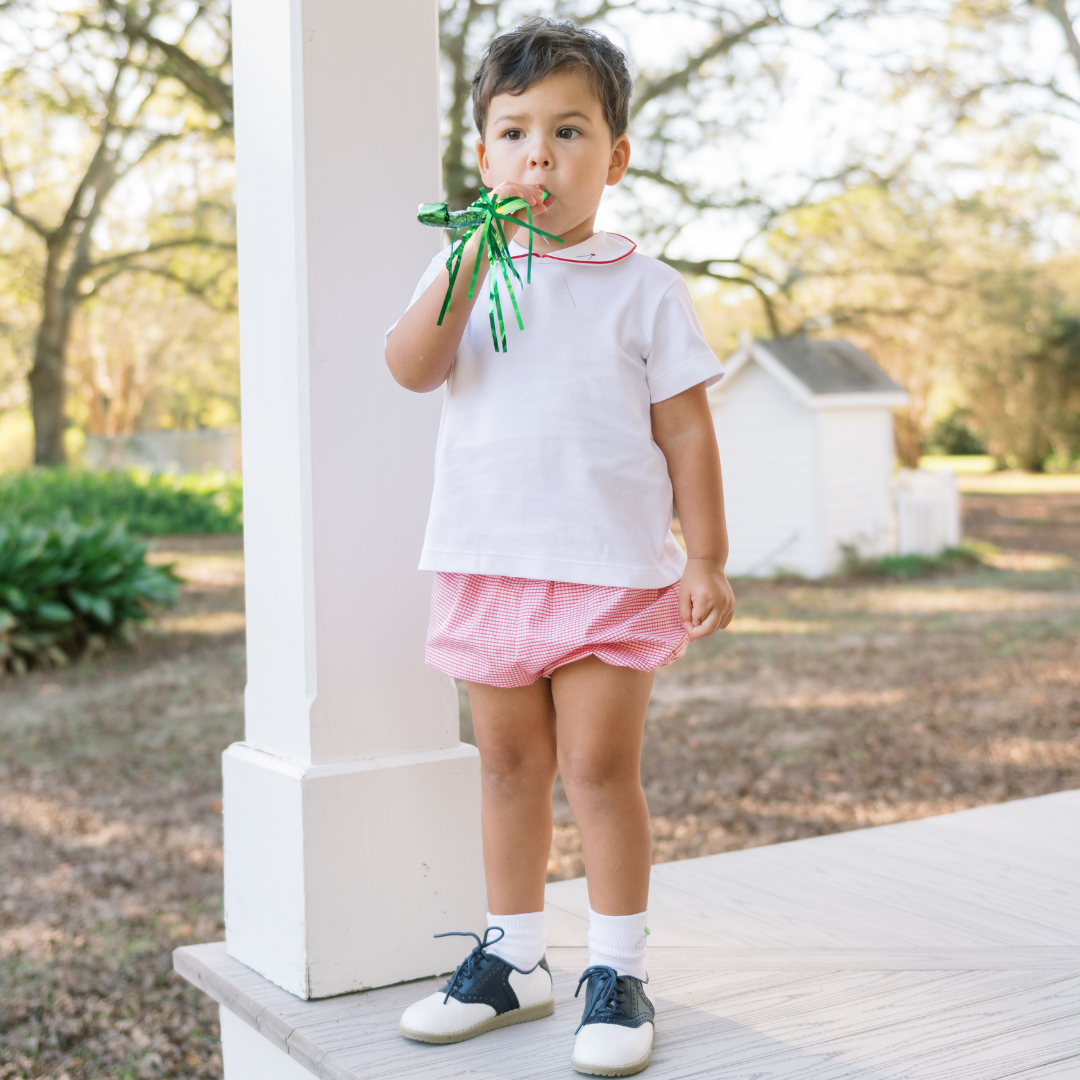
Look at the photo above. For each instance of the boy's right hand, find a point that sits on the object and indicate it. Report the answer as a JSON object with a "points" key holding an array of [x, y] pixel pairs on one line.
{"points": [[420, 352], [533, 194]]}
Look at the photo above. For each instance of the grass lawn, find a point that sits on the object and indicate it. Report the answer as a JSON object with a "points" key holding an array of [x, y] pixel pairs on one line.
{"points": [[825, 707]]}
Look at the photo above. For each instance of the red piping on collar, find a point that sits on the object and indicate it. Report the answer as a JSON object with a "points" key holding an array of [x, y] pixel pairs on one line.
{"points": [[584, 262]]}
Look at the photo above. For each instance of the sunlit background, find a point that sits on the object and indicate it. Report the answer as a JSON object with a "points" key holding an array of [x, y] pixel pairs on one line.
{"points": [[899, 174], [903, 174]]}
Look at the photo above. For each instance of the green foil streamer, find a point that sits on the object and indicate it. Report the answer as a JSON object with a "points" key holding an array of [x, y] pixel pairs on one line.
{"points": [[486, 215]]}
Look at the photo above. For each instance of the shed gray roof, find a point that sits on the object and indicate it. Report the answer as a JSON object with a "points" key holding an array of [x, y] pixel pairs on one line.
{"points": [[829, 367]]}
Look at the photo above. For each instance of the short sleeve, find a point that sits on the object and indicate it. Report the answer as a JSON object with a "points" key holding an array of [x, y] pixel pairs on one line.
{"points": [[429, 275], [680, 356]]}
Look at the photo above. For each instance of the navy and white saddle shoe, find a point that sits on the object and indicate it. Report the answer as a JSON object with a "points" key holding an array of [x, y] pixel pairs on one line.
{"points": [[484, 993], [615, 1035]]}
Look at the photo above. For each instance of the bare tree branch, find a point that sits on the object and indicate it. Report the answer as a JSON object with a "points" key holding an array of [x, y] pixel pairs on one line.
{"points": [[164, 245], [200, 292], [649, 89], [11, 206], [204, 84], [1056, 8]]}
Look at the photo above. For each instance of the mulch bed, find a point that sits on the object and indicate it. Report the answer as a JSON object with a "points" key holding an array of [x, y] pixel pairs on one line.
{"points": [[827, 707]]}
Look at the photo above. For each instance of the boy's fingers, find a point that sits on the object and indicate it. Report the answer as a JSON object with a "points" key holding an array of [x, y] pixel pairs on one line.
{"points": [[709, 625], [529, 192], [686, 607], [702, 610]]}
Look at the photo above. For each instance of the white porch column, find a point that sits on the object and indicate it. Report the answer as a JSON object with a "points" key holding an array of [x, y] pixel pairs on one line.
{"points": [[351, 809]]}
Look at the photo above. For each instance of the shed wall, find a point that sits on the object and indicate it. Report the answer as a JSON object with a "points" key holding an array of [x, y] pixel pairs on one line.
{"points": [[768, 449], [856, 461]]}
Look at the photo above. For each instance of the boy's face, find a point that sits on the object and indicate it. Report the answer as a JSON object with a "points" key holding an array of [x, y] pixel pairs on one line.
{"points": [[554, 135]]}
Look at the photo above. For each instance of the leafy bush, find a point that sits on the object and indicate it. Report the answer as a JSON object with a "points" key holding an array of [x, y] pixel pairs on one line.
{"points": [[956, 436], [66, 587], [950, 561], [151, 505]]}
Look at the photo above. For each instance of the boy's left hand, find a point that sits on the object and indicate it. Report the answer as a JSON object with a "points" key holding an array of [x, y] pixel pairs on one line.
{"points": [[706, 600]]}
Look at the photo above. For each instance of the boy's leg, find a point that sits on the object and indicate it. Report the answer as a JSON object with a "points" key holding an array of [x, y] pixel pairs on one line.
{"points": [[600, 713], [508, 981], [601, 720], [515, 733]]}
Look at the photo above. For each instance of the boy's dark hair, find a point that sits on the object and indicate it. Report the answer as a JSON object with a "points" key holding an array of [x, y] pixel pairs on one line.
{"points": [[520, 58]]}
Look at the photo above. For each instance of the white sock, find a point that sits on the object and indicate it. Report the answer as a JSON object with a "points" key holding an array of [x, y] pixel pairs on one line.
{"points": [[618, 941], [524, 941]]}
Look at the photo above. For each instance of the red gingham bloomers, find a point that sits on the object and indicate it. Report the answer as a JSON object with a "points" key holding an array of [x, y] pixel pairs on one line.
{"points": [[505, 631]]}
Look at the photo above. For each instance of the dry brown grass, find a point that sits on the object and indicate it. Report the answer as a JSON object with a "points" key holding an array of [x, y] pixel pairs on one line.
{"points": [[110, 842], [825, 707]]}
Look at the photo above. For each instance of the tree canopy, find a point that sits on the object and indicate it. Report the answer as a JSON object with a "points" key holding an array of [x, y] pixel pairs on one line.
{"points": [[902, 172]]}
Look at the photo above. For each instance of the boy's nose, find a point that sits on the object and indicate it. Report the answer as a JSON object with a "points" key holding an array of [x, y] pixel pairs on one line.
{"points": [[539, 157]]}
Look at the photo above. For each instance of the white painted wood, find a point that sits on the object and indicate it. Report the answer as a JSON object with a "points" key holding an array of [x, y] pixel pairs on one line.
{"points": [[350, 869], [927, 512], [338, 458], [751, 355], [867, 973], [856, 462], [768, 448], [806, 475], [248, 1055], [351, 813]]}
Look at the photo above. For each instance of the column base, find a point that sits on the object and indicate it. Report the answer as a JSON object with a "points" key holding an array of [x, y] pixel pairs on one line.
{"points": [[248, 1055], [310, 851]]}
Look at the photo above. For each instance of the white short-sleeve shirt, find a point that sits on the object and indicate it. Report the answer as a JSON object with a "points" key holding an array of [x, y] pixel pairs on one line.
{"points": [[546, 465]]}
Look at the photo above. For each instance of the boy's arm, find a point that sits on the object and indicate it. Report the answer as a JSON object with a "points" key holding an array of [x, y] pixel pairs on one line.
{"points": [[683, 429], [420, 352]]}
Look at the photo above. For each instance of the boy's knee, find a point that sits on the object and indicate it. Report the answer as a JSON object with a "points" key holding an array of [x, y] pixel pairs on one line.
{"points": [[515, 767], [588, 774]]}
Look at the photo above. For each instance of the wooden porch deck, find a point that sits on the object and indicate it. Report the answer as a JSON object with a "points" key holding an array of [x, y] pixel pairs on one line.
{"points": [[941, 949]]}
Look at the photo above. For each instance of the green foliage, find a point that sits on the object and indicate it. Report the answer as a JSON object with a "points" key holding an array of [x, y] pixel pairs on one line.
{"points": [[950, 561], [954, 436], [150, 505], [1029, 399], [67, 587]]}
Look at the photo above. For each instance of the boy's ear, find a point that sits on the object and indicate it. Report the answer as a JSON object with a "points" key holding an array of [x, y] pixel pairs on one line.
{"points": [[620, 160], [482, 160]]}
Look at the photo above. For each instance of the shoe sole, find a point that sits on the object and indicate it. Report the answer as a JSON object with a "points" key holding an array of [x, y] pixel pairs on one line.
{"points": [[612, 1070], [515, 1016]]}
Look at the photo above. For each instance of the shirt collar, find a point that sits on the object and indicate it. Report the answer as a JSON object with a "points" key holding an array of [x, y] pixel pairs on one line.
{"points": [[601, 247]]}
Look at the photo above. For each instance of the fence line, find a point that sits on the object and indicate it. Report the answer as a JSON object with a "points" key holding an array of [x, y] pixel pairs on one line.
{"points": [[195, 451]]}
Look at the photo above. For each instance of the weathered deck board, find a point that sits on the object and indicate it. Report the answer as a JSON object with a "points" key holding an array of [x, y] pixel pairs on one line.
{"points": [[944, 949]]}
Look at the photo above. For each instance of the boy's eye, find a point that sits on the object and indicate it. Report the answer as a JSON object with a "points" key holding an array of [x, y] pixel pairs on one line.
{"points": [[514, 135], [567, 133]]}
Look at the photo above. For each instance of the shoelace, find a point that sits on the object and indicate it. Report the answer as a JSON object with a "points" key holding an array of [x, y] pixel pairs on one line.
{"points": [[608, 995], [471, 962]]}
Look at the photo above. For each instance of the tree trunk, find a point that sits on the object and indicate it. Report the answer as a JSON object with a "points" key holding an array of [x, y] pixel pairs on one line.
{"points": [[459, 178], [907, 427], [48, 377]]}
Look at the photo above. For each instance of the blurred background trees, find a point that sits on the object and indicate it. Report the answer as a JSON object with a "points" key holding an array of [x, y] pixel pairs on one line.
{"points": [[903, 175], [116, 163], [896, 174]]}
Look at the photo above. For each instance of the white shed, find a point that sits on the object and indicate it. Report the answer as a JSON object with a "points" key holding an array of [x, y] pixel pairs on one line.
{"points": [[806, 439]]}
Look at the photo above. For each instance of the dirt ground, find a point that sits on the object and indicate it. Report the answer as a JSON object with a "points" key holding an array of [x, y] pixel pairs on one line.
{"points": [[825, 707]]}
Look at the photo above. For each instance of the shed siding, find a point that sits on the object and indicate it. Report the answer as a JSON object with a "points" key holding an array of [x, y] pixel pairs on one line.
{"points": [[856, 463], [768, 449]]}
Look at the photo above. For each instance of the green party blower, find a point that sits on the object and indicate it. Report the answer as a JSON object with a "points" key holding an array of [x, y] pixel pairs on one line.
{"points": [[487, 215]]}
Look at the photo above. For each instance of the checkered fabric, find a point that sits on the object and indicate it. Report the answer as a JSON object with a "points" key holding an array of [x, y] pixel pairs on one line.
{"points": [[504, 631]]}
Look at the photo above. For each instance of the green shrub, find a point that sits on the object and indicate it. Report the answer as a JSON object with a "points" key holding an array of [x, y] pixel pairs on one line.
{"points": [[951, 560], [956, 436], [65, 587], [150, 505]]}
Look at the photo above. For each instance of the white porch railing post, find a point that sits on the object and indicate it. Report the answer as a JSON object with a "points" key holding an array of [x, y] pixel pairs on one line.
{"points": [[351, 809]]}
